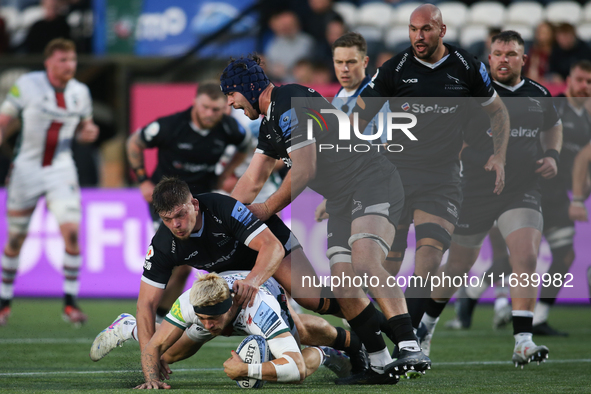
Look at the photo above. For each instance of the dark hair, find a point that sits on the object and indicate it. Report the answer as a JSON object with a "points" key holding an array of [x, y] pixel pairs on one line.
{"points": [[58, 44], [508, 36], [349, 40], [211, 89], [584, 65], [170, 193], [566, 28]]}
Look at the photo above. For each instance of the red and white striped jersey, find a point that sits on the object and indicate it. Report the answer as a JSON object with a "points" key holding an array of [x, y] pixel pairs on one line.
{"points": [[49, 118]]}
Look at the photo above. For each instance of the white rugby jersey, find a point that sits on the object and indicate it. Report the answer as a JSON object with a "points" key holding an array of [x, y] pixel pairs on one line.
{"points": [[268, 317], [49, 118]]}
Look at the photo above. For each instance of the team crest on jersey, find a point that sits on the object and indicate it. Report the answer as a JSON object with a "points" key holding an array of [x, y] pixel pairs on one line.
{"points": [[150, 252], [152, 131], [537, 107]]}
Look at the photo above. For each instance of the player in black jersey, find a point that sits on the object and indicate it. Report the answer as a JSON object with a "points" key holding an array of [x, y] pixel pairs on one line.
{"points": [[559, 230], [364, 200], [432, 81], [190, 144], [534, 146], [217, 233]]}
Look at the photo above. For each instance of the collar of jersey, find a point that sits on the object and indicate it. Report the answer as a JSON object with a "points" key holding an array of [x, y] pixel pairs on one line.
{"points": [[510, 88], [268, 115], [432, 65], [198, 233], [197, 129]]}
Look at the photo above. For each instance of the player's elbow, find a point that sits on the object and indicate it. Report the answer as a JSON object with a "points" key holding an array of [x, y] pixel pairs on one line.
{"points": [[290, 368]]}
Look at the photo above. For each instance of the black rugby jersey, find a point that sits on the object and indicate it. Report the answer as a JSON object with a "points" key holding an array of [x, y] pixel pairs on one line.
{"points": [[188, 153], [228, 227], [437, 95], [576, 133], [284, 129], [531, 111]]}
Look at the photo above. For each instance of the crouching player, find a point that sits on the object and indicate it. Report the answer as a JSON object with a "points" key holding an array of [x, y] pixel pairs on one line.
{"points": [[207, 310]]}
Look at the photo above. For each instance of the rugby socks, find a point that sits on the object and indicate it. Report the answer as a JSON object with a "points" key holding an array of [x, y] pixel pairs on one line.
{"points": [[416, 298], [385, 327], [433, 310], [366, 325], [346, 341], [72, 263], [522, 322], [403, 332], [9, 269]]}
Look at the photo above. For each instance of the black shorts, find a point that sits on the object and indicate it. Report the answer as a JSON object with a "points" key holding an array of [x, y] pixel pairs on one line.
{"points": [[479, 213], [378, 192], [443, 200], [555, 211]]}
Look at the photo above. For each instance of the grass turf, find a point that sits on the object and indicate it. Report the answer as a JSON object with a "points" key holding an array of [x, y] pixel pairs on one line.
{"points": [[40, 353]]}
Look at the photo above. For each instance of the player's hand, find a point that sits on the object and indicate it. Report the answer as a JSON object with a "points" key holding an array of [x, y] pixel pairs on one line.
{"points": [[153, 384], [320, 212], [147, 188], [234, 367], [497, 164], [244, 292], [548, 167], [88, 133], [260, 211], [578, 212], [165, 370]]}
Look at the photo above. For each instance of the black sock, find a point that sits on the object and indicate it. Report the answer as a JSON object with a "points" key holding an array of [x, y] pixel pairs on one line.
{"points": [[69, 300], [346, 341], [434, 308], [416, 308], [402, 327], [4, 302], [162, 312], [416, 297], [522, 324], [367, 327], [385, 327]]}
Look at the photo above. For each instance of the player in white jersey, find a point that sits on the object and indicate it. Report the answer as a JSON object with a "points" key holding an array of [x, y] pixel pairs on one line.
{"points": [[207, 311], [54, 109]]}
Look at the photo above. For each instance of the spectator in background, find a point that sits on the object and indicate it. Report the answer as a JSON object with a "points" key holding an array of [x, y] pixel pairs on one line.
{"points": [[288, 46], [537, 66], [53, 25], [303, 72], [323, 50], [568, 50], [315, 22]]}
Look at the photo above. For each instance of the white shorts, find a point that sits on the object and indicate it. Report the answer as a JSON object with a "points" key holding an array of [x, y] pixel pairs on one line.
{"points": [[59, 185]]}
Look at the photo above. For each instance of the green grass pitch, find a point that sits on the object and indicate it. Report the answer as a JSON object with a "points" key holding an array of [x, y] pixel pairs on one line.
{"points": [[39, 353]]}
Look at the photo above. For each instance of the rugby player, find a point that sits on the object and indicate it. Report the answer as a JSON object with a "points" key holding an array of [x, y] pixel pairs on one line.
{"points": [[432, 80], [190, 144], [364, 199], [55, 108], [534, 146]]}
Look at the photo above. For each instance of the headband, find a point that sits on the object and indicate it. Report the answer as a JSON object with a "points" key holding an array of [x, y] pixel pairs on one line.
{"points": [[214, 310]]}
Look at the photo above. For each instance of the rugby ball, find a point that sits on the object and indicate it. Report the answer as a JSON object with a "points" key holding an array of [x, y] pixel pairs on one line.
{"points": [[253, 350]]}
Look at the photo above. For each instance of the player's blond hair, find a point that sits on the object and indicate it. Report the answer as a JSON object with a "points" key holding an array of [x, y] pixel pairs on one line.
{"points": [[58, 44], [209, 290]]}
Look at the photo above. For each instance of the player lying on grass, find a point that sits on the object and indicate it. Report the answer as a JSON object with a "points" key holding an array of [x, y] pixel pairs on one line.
{"points": [[206, 311]]}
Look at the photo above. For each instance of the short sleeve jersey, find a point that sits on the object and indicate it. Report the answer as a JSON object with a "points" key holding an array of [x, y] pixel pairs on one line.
{"points": [[576, 133], [531, 112], [435, 94], [189, 153], [49, 118], [268, 317], [227, 229], [284, 129]]}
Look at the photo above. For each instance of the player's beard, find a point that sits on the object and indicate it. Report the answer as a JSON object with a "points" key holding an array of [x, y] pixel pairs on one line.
{"points": [[430, 50], [207, 123], [509, 80]]}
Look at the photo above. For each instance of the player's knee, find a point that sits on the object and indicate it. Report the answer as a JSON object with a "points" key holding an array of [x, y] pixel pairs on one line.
{"points": [[433, 236], [338, 254], [381, 242], [17, 232]]}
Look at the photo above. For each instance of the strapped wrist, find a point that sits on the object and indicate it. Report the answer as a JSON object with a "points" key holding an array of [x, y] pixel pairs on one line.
{"points": [[553, 153], [140, 174]]}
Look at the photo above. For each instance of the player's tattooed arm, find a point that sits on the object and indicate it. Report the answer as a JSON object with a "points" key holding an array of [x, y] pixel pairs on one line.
{"points": [[166, 335], [499, 122]]}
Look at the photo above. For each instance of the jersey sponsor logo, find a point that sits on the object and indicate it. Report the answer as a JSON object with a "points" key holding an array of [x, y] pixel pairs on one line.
{"points": [[266, 319], [410, 80], [173, 247], [523, 132], [464, 62], [242, 214], [371, 83], [399, 66], [151, 131], [539, 87], [185, 146], [175, 311], [147, 265], [435, 108], [14, 91], [249, 320], [311, 90], [192, 255], [219, 234], [150, 252], [405, 107]]}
